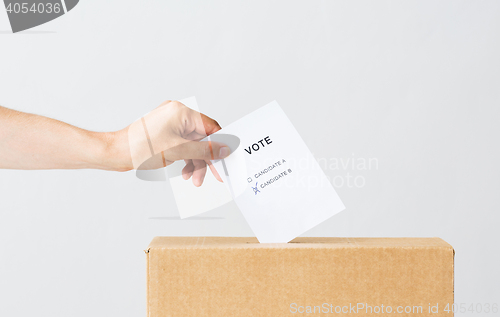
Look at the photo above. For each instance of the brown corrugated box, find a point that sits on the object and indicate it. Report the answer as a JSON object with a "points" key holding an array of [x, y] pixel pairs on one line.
{"points": [[222, 276]]}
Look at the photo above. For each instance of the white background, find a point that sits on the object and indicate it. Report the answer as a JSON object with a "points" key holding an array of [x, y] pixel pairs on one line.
{"points": [[413, 84]]}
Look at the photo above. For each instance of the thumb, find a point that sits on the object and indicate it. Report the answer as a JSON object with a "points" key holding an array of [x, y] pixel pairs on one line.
{"points": [[206, 150]]}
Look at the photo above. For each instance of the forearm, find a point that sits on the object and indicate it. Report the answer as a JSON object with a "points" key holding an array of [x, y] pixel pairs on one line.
{"points": [[29, 141]]}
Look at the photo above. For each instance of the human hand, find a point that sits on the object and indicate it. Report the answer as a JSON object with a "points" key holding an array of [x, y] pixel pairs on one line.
{"points": [[172, 132]]}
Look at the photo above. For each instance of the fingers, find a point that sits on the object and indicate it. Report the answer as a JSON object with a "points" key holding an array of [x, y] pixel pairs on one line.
{"points": [[209, 124], [207, 150], [193, 136], [214, 172], [200, 169], [197, 155], [201, 124], [188, 170]]}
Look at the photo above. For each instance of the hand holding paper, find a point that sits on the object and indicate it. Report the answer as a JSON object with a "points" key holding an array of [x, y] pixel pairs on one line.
{"points": [[271, 175]]}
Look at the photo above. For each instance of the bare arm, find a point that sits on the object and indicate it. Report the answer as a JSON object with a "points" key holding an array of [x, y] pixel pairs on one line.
{"points": [[29, 141]]}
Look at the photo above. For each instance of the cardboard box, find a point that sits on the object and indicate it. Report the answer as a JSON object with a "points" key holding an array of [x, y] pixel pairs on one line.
{"points": [[217, 276]]}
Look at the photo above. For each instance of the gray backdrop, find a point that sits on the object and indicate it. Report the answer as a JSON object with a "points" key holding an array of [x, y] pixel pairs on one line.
{"points": [[410, 87]]}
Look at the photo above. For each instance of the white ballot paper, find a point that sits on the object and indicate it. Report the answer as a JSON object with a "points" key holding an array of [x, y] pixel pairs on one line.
{"points": [[273, 177]]}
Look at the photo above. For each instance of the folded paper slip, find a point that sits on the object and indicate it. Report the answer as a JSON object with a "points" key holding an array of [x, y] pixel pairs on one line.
{"points": [[221, 276]]}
